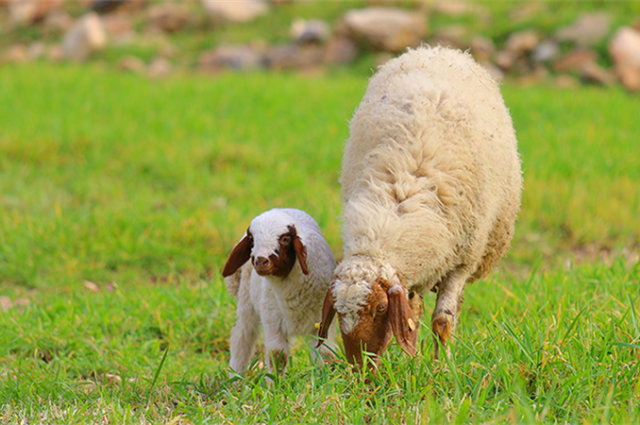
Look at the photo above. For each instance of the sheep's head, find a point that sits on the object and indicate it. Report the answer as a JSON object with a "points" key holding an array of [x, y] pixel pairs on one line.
{"points": [[369, 314], [272, 243]]}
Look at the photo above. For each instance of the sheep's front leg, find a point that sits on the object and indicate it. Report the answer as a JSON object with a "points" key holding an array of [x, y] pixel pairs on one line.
{"points": [[243, 336], [276, 345], [445, 315]]}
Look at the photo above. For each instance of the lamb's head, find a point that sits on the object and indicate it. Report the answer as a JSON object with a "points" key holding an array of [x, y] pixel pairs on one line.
{"points": [[370, 311], [272, 243]]}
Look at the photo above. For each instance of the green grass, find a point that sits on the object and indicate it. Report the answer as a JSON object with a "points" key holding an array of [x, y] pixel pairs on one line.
{"points": [[115, 178]]}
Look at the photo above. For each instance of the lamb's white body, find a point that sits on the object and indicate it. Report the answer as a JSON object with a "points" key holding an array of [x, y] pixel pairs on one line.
{"points": [[431, 183], [286, 306]]}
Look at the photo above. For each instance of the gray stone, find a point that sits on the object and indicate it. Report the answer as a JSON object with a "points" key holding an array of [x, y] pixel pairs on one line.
{"points": [[235, 11], [624, 48], [292, 56], [309, 31], [574, 60], [24, 12], [222, 58], [168, 17], [58, 20], [119, 28], [586, 30], [340, 50], [159, 67], [546, 51], [36, 50], [591, 72], [522, 42], [384, 28], [85, 37]]}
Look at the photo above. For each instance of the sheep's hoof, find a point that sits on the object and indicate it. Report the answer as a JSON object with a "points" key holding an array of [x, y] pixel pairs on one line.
{"points": [[442, 325]]}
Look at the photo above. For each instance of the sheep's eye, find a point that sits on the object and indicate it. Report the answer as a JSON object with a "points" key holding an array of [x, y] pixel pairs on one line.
{"points": [[285, 240], [381, 308]]}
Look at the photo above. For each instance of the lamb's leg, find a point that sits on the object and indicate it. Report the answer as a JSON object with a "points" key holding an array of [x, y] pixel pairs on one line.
{"points": [[243, 337], [276, 345], [445, 315]]}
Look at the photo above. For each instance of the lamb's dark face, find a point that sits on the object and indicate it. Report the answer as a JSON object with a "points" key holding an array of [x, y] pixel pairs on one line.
{"points": [[279, 261], [272, 244], [369, 315]]}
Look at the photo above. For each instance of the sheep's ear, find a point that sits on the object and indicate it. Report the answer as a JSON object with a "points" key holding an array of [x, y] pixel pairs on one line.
{"points": [[328, 313], [240, 255], [403, 324], [301, 253]]}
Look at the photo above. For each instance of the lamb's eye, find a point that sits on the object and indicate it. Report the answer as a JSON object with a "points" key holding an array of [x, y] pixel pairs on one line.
{"points": [[381, 308], [285, 240]]}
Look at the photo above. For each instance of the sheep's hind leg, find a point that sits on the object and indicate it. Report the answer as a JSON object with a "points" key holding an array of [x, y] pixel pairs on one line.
{"points": [[445, 314]]}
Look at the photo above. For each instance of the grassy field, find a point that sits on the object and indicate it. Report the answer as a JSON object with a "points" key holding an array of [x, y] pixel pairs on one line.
{"points": [[121, 197]]}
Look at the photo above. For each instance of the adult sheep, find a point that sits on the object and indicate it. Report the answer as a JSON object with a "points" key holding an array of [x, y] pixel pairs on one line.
{"points": [[431, 185]]}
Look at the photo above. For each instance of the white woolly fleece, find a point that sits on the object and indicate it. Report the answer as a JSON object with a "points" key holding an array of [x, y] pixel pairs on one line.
{"points": [[431, 176]]}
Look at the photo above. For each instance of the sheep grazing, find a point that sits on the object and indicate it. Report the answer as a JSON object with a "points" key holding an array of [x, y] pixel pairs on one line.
{"points": [[431, 186], [274, 289]]}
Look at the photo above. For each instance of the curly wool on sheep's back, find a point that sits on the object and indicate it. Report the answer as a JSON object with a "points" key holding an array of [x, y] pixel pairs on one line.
{"points": [[431, 181]]}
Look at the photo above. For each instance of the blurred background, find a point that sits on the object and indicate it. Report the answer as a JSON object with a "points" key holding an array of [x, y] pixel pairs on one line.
{"points": [[568, 42]]}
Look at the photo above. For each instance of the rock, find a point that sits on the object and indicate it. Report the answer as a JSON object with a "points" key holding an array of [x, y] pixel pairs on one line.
{"points": [[55, 53], [159, 67], [340, 51], [545, 52], [36, 50], [586, 30], [451, 36], [235, 11], [16, 53], [24, 12], [58, 20], [591, 72], [291, 56], [384, 28], [505, 59], [107, 6], [130, 63], [119, 28], [522, 42], [565, 81], [624, 49], [574, 60], [309, 31], [168, 17], [482, 49], [222, 58], [452, 7], [85, 37]]}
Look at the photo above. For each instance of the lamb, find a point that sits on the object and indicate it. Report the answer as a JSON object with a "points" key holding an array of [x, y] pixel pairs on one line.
{"points": [[274, 289], [431, 186]]}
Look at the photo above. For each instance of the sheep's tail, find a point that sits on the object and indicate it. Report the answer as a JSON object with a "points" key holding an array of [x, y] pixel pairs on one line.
{"points": [[233, 283]]}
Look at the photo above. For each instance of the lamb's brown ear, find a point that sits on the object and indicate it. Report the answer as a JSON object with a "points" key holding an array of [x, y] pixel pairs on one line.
{"points": [[403, 324], [328, 313], [301, 253], [240, 255]]}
